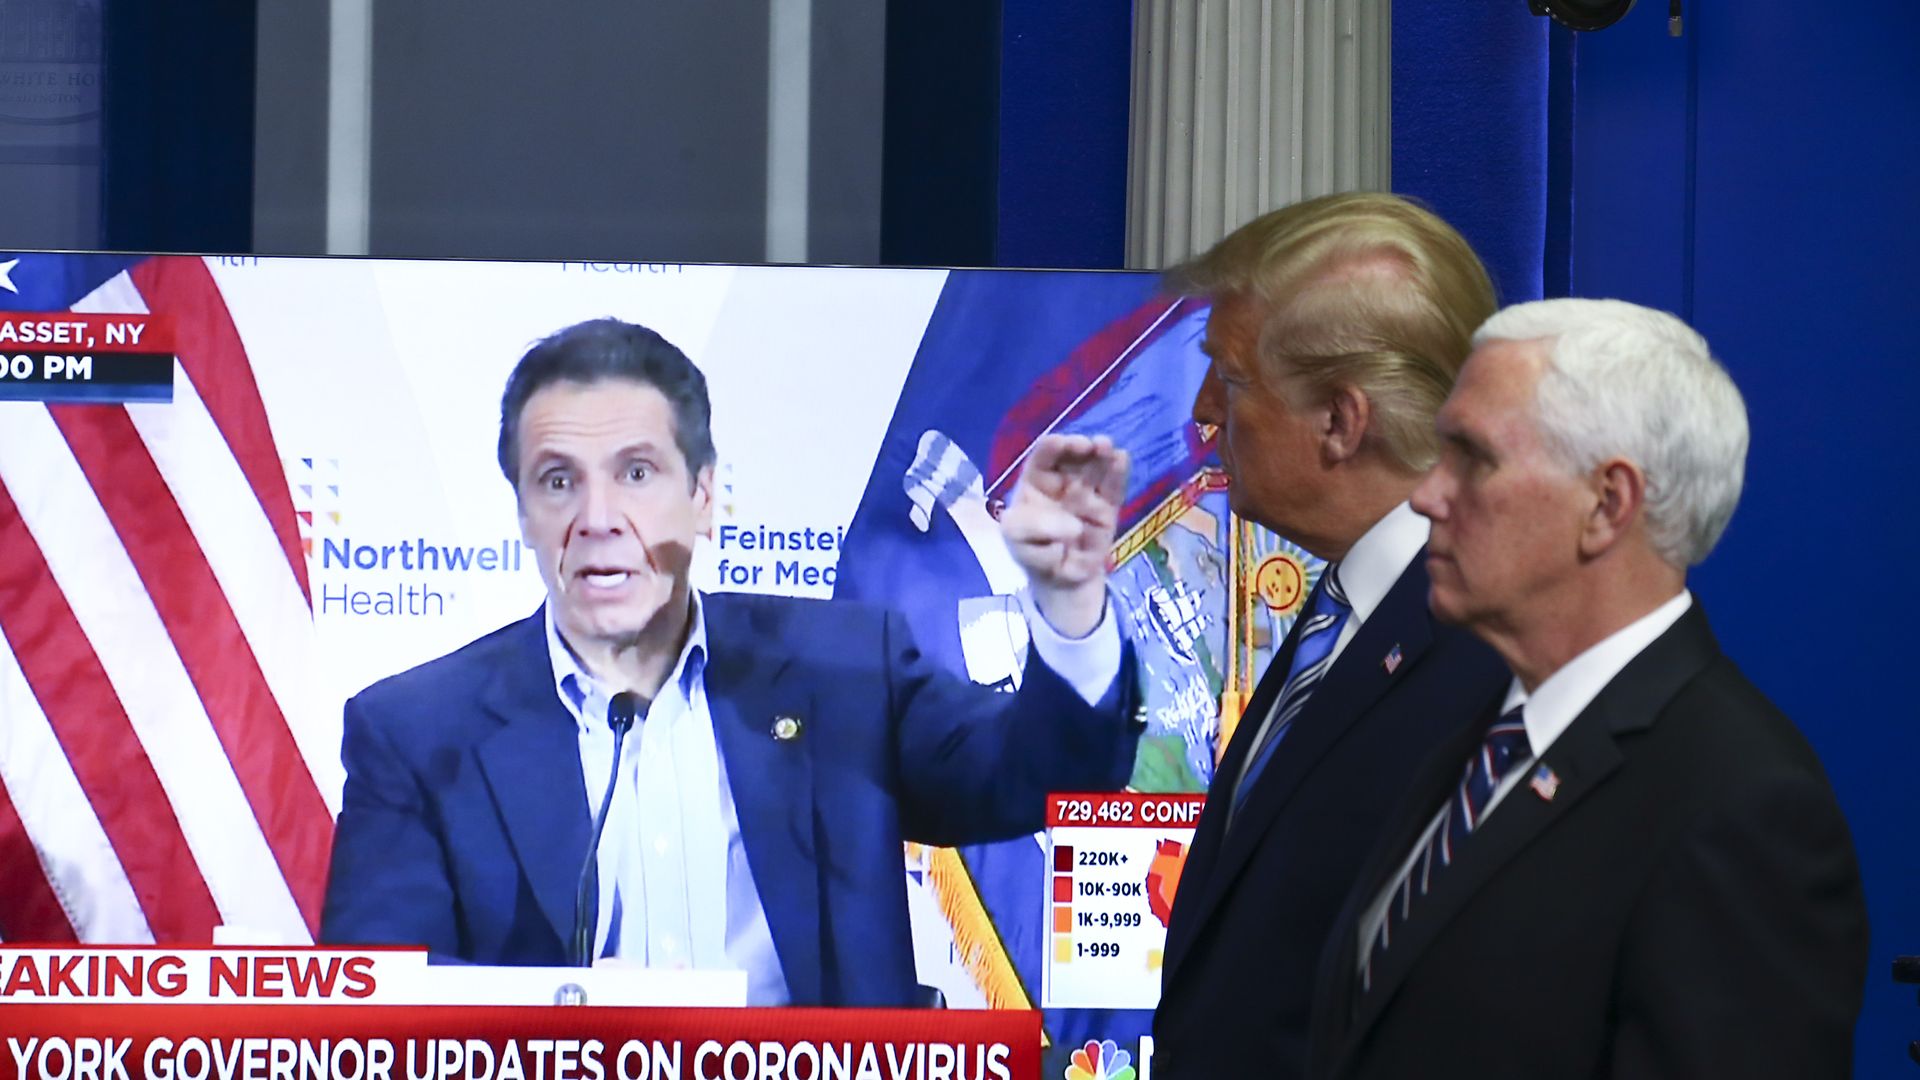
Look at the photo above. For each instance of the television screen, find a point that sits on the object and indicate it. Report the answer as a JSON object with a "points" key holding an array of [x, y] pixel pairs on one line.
{"points": [[237, 492]]}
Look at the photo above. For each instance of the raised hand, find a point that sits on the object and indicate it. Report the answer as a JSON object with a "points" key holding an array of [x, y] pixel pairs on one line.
{"points": [[1060, 526]]}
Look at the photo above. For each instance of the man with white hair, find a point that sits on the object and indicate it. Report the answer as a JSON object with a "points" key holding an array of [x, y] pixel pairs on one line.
{"points": [[1638, 869]]}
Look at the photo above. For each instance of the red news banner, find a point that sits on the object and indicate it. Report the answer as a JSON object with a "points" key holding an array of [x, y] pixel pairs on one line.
{"points": [[73, 357], [320, 1014]]}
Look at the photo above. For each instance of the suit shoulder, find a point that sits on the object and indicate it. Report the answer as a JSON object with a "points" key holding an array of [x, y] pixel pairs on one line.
{"points": [[1458, 662], [1718, 744], [458, 674], [1720, 709], [792, 619], [1474, 658]]}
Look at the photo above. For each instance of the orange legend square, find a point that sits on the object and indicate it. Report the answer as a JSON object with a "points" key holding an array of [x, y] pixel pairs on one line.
{"points": [[1062, 919]]}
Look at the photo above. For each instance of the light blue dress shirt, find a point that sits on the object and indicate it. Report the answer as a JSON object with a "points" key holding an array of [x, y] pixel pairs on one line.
{"points": [[682, 894]]}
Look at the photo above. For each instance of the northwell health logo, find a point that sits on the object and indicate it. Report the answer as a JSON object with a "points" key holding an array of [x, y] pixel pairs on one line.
{"points": [[408, 576], [341, 585], [420, 554]]}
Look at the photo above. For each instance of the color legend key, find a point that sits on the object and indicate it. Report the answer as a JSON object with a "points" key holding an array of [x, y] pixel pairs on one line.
{"points": [[1116, 861]]}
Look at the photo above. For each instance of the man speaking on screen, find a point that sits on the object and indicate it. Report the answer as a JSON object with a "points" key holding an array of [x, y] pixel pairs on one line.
{"points": [[779, 750]]}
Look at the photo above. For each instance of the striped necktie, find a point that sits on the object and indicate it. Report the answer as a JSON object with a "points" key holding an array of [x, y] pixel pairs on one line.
{"points": [[1504, 750], [1312, 656]]}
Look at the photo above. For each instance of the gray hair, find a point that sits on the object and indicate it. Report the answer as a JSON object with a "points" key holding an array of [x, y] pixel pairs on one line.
{"points": [[1627, 381]]}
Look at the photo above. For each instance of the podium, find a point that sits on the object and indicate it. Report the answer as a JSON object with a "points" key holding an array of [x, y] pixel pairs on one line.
{"points": [[629, 987]]}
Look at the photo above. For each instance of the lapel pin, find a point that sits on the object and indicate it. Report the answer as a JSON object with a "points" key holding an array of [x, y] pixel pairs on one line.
{"points": [[1392, 661], [786, 728], [1545, 783]]}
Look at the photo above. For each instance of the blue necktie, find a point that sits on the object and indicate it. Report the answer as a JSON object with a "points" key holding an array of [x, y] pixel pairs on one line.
{"points": [[1504, 749], [1312, 656]]}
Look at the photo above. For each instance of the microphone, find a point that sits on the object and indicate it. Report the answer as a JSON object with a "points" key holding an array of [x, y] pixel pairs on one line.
{"points": [[586, 897]]}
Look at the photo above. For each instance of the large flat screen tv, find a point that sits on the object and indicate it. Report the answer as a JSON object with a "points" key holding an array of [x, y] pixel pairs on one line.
{"points": [[235, 492]]}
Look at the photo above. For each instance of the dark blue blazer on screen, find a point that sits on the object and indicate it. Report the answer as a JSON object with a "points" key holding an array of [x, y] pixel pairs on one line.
{"points": [[464, 821], [1255, 903]]}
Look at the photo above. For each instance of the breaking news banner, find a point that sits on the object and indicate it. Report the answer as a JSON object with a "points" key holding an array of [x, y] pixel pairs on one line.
{"points": [[234, 1014], [69, 357], [1116, 862]]}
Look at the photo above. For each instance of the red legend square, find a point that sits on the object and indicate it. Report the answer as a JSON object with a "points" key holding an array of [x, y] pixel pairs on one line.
{"points": [[1062, 888], [1063, 858]]}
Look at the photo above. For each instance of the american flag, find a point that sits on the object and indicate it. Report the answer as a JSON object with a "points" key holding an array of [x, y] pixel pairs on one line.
{"points": [[165, 766], [1545, 783]]}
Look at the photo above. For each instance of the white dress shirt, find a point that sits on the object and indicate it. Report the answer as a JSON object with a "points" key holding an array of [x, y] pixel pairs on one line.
{"points": [[682, 894], [1547, 713], [1367, 574]]}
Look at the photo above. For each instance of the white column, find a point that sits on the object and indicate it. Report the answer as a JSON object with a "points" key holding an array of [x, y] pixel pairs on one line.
{"points": [[349, 126], [789, 105], [1242, 106]]}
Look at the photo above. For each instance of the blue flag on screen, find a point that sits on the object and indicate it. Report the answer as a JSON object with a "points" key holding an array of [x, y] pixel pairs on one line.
{"points": [[38, 282], [1007, 358]]}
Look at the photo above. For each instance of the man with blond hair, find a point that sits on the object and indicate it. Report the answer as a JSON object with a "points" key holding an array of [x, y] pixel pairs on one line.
{"points": [[1337, 327], [1638, 869]]}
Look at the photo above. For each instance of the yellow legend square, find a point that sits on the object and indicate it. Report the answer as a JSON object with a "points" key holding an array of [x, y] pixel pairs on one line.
{"points": [[1062, 950]]}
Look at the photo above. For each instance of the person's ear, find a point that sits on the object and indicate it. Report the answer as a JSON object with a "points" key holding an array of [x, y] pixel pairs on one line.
{"points": [[1619, 492], [1344, 420], [703, 501]]}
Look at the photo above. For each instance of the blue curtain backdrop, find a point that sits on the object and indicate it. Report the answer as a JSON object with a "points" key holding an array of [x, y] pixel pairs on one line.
{"points": [[1470, 96], [1757, 176]]}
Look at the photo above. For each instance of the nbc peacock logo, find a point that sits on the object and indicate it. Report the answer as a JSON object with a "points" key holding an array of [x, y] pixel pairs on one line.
{"points": [[1101, 1061]]}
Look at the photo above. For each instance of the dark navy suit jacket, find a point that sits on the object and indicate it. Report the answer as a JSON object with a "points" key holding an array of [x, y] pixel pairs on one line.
{"points": [[464, 821], [1255, 904], [1685, 904]]}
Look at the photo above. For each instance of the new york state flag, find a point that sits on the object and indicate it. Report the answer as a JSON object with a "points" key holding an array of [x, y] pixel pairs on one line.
{"points": [[1007, 358]]}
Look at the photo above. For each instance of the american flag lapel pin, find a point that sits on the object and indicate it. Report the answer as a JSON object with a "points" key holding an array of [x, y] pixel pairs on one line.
{"points": [[1392, 660], [1545, 783]]}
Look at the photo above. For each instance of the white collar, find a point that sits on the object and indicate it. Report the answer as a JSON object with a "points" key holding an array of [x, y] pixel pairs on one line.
{"points": [[1566, 693], [1379, 557], [575, 684]]}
